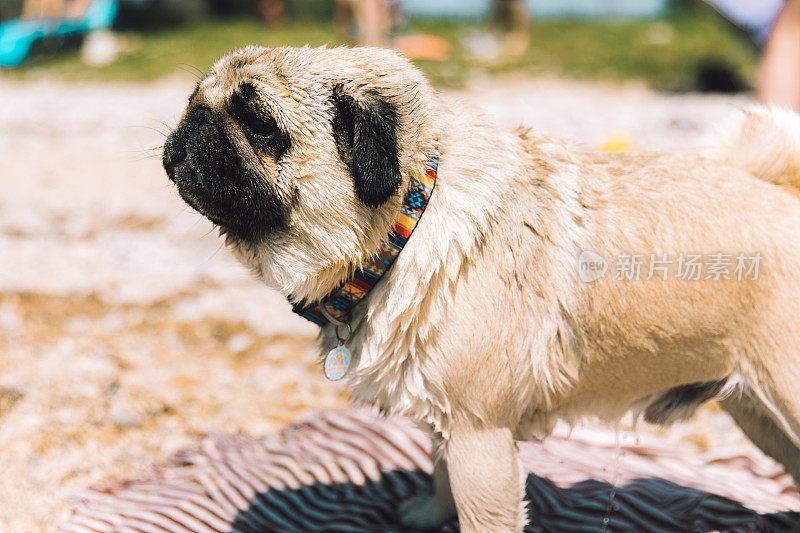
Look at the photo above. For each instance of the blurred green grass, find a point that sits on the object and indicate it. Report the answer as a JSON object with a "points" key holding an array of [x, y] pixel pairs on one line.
{"points": [[663, 53], [165, 52]]}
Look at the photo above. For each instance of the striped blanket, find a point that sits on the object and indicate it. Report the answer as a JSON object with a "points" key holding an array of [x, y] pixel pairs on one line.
{"points": [[348, 470]]}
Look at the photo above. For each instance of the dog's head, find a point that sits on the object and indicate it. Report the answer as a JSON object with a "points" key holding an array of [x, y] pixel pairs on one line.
{"points": [[301, 155]]}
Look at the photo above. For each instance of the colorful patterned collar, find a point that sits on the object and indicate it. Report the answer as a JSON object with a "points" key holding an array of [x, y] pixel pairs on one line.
{"points": [[337, 305]]}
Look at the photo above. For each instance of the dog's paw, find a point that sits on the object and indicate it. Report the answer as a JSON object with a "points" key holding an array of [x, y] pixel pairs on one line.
{"points": [[424, 512]]}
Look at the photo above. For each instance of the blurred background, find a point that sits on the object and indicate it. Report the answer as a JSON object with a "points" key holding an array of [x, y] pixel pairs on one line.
{"points": [[128, 332], [673, 45]]}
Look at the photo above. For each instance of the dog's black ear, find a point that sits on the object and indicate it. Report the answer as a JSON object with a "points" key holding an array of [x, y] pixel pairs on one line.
{"points": [[365, 131]]}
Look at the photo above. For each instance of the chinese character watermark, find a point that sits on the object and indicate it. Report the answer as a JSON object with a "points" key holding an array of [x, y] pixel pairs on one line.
{"points": [[660, 265], [689, 266], [628, 267], [747, 266], [684, 266]]}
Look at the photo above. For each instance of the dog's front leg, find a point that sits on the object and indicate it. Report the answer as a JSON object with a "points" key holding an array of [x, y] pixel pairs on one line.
{"points": [[486, 479], [430, 511]]}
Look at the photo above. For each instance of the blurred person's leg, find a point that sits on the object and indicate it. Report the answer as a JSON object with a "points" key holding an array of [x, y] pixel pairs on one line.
{"points": [[374, 22], [514, 18], [779, 81], [77, 8], [54, 8], [33, 9], [273, 11]]}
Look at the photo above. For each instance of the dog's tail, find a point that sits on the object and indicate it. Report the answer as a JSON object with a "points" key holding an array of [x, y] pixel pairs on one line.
{"points": [[764, 141]]}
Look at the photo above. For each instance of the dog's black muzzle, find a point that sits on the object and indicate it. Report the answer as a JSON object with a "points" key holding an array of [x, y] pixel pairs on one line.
{"points": [[200, 159]]}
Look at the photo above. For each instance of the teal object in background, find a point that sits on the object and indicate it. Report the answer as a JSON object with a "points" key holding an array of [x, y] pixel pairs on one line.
{"points": [[540, 8], [17, 36]]}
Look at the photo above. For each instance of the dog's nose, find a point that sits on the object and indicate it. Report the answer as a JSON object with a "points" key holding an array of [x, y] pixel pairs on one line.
{"points": [[175, 145]]}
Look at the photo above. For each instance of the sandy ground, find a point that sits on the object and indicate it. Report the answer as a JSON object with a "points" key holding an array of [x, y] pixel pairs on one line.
{"points": [[127, 331]]}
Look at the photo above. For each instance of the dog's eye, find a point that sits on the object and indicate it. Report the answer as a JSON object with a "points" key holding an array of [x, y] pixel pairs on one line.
{"points": [[264, 128]]}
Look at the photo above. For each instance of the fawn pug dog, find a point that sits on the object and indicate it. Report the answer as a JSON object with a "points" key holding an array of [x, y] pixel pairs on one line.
{"points": [[487, 328]]}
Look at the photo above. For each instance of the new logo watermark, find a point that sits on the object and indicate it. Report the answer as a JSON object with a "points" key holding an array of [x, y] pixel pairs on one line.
{"points": [[591, 266], [685, 266]]}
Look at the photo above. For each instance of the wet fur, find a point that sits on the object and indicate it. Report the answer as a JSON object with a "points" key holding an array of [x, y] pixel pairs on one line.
{"points": [[482, 329]]}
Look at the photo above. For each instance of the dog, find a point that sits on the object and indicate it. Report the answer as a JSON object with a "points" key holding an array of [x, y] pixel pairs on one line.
{"points": [[513, 304]]}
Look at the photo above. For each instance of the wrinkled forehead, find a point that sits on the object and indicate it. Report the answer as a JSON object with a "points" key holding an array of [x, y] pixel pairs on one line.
{"points": [[261, 80], [231, 76]]}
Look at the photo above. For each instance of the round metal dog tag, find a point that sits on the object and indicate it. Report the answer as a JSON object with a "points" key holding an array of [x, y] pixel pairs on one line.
{"points": [[337, 363]]}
